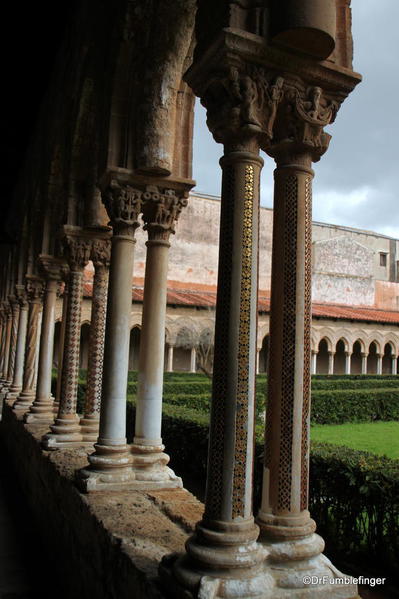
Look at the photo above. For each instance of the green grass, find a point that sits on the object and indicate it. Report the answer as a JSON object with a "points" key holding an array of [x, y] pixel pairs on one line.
{"points": [[381, 438]]}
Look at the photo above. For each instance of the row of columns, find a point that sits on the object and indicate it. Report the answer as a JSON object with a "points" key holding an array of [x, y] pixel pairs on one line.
{"points": [[348, 359]]}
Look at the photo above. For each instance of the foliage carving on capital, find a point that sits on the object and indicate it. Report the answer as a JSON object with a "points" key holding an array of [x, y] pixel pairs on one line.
{"points": [[101, 252], [301, 119], [78, 250], [51, 267], [161, 209], [20, 292], [34, 288], [123, 204], [243, 103]]}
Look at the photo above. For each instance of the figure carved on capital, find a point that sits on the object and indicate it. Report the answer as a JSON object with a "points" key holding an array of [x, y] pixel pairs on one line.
{"points": [[160, 211], [101, 252], [304, 114], [78, 251], [243, 103], [34, 289], [123, 204]]}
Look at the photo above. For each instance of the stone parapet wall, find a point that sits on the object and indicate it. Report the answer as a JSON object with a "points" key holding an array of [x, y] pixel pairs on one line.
{"points": [[105, 545]]}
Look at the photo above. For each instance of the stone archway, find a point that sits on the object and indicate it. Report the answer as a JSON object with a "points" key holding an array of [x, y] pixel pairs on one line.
{"points": [[372, 359], [322, 358], [264, 355], [182, 350], [340, 357], [356, 360]]}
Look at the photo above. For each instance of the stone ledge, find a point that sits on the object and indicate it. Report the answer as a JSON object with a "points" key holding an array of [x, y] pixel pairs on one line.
{"points": [[105, 544]]}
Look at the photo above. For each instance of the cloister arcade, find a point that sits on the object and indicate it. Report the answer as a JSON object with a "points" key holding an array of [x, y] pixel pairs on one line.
{"points": [[112, 153]]}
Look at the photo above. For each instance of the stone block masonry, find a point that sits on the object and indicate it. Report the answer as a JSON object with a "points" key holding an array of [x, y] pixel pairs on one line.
{"points": [[103, 545]]}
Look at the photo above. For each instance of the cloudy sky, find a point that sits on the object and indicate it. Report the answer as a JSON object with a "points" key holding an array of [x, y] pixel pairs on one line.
{"points": [[357, 180]]}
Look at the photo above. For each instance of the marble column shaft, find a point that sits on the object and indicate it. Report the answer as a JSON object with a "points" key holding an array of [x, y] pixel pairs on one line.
{"points": [[110, 464], [61, 342], [15, 308]]}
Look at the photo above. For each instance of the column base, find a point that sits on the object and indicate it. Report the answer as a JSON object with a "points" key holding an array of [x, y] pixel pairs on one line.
{"points": [[65, 432], [219, 564], [110, 469], [90, 429], [40, 412], [149, 464]]}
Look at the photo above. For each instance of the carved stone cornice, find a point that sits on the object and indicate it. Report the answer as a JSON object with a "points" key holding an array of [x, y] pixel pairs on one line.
{"points": [[161, 209], [34, 288], [101, 252], [51, 267], [123, 204]]}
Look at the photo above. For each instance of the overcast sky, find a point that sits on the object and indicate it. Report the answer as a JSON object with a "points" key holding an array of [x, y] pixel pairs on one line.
{"points": [[356, 182]]}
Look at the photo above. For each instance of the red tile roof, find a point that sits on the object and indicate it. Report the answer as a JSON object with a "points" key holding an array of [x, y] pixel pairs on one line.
{"points": [[207, 299]]}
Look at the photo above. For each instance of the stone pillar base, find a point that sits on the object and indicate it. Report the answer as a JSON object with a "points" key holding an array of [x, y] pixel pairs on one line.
{"points": [[216, 566], [23, 403], [150, 467], [40, 412], [65, 432], [89, 428], [111, 468]]}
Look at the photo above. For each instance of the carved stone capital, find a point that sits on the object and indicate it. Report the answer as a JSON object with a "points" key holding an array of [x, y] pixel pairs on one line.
{"points": [[123, 204], [77, 251], [298, 128], [161, 209], [34, 288], [101, 252], [242, 104], [51, 267], [20, 292]]}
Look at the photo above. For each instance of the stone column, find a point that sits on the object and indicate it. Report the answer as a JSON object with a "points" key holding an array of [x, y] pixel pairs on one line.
{"points": [[66, 427], [348, 356], [2, 340], [161, 208], [394, 365], [34, 287], [42, 409], [379, 363], [6, 348], [287, 531], [314, 362], [15, 308], [223, 558], [331, 355], [257, 360], [110, 464], [101, 252], [193, 360], [16, 386], [65, 277], [170, 358], [364, 362]]}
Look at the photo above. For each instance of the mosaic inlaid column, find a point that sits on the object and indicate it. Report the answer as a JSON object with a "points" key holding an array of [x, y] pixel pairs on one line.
{"points": [[61, 341], [110, 464], [223, 558], [42, 409], [34, 287], [101, 252], [17, 382], [287, 530], [160, 211], [66, 426]]}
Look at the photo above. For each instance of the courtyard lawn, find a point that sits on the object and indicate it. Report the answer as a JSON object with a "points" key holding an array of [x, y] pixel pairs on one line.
{"points": [[381, 438]]}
